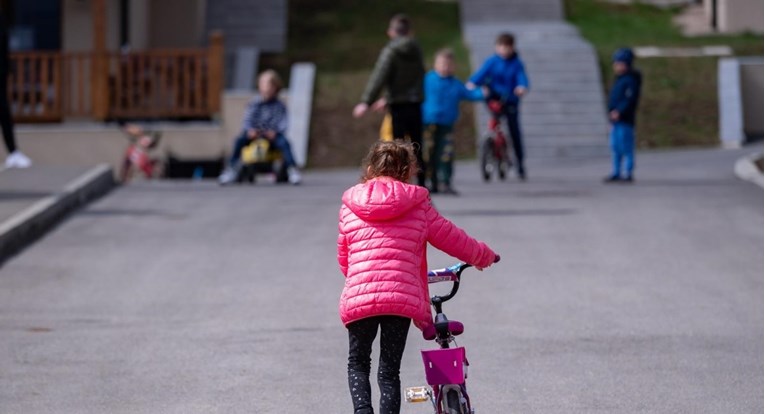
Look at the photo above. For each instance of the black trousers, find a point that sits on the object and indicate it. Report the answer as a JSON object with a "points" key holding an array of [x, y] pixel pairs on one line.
{"points": [[406, 120], [6, 121], [510, 112], [361, 335]]}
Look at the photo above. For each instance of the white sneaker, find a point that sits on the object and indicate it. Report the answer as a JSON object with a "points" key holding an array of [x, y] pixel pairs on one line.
{"points": [[17, 159], [293, 175], [228, 176]]}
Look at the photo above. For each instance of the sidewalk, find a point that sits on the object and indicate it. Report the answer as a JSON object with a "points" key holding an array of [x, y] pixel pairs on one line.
{"points": [[35, 199]]}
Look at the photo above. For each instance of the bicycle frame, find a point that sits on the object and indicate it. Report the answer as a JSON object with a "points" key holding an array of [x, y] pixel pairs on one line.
{"points": [[494, 156], [445, 367]]}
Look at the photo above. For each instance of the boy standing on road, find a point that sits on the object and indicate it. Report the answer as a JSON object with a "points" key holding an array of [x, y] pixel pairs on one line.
{"points": [[400, 70], [506, 78], [622, 106], [443, 93]]}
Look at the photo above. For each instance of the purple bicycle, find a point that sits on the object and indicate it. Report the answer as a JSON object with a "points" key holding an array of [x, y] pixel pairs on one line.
{"points": [[446, 368]]}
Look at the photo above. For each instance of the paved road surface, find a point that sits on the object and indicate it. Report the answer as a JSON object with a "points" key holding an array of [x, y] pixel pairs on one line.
{"points": [[182, 297]]}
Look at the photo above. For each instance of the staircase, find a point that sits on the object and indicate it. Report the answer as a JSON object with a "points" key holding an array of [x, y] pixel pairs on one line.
{"points": [[564, 113]]}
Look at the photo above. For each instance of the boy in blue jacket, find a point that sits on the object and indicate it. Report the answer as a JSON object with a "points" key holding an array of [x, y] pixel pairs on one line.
{"points": [[506, 78], [622, 106], [440, 110]]}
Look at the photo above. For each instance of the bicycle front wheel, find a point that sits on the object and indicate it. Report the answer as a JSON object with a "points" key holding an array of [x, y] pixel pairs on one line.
{"points": [[453, 404]]}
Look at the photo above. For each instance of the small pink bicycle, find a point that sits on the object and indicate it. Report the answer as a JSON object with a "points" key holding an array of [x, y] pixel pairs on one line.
{"points": [[446, 368]]}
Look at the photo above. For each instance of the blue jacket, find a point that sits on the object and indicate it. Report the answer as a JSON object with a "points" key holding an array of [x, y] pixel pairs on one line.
{"points": [[625, 95], [502, 76], [442, 98]]}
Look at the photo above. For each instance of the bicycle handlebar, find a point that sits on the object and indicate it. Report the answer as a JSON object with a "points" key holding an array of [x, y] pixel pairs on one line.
{"points": [[449, 274]]}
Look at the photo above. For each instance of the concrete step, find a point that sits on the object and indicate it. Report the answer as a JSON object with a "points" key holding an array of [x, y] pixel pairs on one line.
{"points": [[563, 110], [531, 118], [567, 151], [564, 129], [543, 89], [552, 101], [510, 10]]}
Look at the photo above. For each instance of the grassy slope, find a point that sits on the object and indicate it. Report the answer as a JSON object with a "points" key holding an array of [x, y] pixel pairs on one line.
{"points": [[344, 38], [679, 101]]}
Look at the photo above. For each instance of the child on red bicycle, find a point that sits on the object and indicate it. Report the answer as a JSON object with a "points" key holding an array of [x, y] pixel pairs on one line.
{"points": [[385, 224], [505, 76]]}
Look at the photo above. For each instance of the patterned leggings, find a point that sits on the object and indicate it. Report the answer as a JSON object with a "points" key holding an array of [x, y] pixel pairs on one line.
{"points": [[361, 335]]}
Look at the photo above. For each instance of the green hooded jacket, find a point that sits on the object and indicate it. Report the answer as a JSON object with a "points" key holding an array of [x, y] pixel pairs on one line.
{"points": [[400, 70]]}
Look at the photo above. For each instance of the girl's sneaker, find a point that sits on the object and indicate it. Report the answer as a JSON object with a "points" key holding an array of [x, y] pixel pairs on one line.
{"points": [[17, 159]]}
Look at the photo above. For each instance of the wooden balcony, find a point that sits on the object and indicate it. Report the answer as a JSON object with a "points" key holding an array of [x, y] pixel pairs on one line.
{"points": [[152, 84]]}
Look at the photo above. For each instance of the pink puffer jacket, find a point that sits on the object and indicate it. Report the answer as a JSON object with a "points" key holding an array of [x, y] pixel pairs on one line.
{"points": [[384, 227]]}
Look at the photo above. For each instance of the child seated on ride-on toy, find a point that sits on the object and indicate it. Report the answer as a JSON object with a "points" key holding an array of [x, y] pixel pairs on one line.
{"points": [[264, 118]]}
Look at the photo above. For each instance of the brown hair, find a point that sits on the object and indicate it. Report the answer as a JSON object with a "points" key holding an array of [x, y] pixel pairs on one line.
{"points": [[446, 53], [273, 78], [393, 159], [400, 24], [506, 39]]}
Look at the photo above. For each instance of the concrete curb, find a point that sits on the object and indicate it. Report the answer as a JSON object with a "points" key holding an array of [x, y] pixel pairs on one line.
{"points": [[32, 222], [746, 169]]}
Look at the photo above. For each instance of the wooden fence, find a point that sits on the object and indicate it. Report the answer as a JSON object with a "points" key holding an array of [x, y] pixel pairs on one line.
{"points": [[171, 83]]}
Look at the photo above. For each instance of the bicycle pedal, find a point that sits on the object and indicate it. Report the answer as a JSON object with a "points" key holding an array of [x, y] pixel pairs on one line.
{"points": [[417, 394]]}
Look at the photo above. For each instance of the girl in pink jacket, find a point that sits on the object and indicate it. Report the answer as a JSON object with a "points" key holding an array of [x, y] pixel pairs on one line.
{"points": [[385, 225]]}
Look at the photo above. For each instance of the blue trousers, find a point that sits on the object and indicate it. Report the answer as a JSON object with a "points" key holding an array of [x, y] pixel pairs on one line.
{"points": [[280, 142], [622, 147]]}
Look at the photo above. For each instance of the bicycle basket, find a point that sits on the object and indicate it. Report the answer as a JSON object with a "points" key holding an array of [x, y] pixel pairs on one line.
{"points": [[445, 366]]}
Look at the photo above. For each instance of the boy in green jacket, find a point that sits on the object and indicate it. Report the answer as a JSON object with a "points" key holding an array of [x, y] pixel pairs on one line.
{"points": [[400, 70]]}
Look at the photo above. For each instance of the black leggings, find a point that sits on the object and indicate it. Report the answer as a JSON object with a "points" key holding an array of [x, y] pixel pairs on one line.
{"points": [[361, 335]]}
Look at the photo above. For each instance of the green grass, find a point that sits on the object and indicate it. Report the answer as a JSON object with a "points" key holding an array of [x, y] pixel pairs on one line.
{"points": [[679, 101], [344, 38]]}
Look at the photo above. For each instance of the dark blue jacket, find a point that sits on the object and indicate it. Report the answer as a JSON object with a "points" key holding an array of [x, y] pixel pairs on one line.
{"points": [[502, 76], [625, 95]]}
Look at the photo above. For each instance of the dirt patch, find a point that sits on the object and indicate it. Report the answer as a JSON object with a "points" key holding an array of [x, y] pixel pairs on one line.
{"points": [[340, 140]]}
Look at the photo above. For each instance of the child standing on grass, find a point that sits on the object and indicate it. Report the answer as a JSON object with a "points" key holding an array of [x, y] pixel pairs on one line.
{"points": [[622, 106], [443, 93], [385, 224], [506, 78]]}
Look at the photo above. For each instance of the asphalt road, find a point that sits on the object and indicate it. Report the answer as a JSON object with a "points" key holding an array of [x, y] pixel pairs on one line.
{"points": [[183, 297]]}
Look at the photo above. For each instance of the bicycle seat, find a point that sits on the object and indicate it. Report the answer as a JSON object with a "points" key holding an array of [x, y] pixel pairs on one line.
{"points": [[456, 328]]}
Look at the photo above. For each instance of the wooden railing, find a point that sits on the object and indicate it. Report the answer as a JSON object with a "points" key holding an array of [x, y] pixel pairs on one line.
{"points": [[172, 83]]}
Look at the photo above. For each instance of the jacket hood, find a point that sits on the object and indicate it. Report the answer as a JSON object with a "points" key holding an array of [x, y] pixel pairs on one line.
{"points": [[383, 198], [405, 47]]}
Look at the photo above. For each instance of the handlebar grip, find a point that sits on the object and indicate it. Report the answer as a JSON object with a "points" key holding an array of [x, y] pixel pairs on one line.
{"points": [[496, 258]]}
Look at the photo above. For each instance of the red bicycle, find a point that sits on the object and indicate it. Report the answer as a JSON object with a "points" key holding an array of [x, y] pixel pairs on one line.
{"points": [[138, 154], [494, 150]]}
